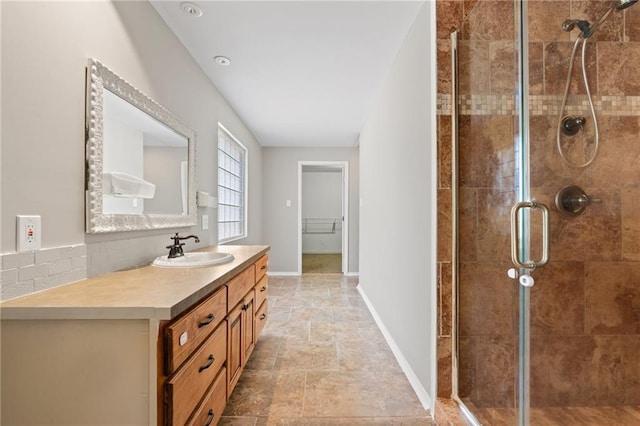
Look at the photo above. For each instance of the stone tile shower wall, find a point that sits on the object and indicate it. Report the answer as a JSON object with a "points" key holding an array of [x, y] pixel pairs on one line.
{"points": [[585, 307]]}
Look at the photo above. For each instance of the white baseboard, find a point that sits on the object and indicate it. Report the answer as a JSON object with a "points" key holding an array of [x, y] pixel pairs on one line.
{"points": [[282, 274], [321, 252], [421, 392], [295, 274]]}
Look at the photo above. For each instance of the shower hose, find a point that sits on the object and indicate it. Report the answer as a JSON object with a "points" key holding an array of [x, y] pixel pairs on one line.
{"points": [[582, 40]]}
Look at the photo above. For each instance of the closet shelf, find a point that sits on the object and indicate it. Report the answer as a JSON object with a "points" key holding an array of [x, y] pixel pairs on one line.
{"points": [[321, 225]]}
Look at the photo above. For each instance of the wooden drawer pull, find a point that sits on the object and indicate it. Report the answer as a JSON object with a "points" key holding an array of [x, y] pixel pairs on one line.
{"points": [[210, 418], [208, 321], [263, 316], [207, 365]]}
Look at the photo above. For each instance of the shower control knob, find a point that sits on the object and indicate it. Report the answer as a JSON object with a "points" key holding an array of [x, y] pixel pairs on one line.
{"points": [[512, 273], [526, 280]]}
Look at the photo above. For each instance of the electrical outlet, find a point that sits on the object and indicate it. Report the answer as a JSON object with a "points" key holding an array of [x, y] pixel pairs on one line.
{"points": [[205, 221], [28, 233]]}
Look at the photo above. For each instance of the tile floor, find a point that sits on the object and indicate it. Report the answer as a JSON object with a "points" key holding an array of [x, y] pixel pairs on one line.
{"points": [[321, 360]]}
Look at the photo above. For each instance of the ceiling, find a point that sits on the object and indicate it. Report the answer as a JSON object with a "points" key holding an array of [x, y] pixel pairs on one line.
{"points": [[302, 73]]}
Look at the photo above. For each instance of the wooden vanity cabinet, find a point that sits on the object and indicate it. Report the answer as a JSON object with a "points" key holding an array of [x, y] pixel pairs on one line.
{"points": [[147, 346], [207, 348]]}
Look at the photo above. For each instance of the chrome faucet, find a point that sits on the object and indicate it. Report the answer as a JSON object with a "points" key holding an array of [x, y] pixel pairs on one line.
{"points": [[175, 250]]}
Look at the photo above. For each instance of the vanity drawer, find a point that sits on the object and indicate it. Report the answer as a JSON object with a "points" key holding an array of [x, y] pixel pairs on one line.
{"points": [[186, 388], [210, 411], [262, 266], [262, 290], [241, 285], [261, 319], [187, 333]]}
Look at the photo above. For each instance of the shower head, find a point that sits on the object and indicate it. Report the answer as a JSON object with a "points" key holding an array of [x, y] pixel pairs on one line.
{"points": [[623, 4], [588, 30]]}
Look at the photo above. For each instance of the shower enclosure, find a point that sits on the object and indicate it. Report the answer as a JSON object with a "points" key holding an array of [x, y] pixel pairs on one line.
{"points": [[559, 343]]}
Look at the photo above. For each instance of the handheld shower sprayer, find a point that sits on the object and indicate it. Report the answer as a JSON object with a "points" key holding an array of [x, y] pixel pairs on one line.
{"points": [[623, 4], [569, 125], [584, 26]]}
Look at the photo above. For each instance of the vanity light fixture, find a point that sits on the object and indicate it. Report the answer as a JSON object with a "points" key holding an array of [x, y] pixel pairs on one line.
{"points": [[222, 60], [191, 9]]}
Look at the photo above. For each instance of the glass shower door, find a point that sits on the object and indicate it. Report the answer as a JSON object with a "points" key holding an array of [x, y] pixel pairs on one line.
{"points": [[563, 350], [494, 214], [585, 305]]}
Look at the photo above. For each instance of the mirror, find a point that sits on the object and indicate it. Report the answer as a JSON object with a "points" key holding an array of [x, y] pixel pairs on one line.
{"points": [[140, 159]]}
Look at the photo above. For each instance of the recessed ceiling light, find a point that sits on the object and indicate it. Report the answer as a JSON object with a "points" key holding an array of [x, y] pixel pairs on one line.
{"points": [[222, 60], [191, 9]]}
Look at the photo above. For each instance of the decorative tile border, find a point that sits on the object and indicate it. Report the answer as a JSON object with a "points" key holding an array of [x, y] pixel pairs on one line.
{"points": [[540, 105]]}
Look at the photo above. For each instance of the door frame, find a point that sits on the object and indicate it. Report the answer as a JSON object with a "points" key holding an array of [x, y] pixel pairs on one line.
{"points": [[344, 165]]}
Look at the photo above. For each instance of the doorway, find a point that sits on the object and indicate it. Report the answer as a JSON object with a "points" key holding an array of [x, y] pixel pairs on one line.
{"points": [[323, 217]]}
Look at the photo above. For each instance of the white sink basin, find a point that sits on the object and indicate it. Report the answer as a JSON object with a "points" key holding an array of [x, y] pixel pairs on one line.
{"points": [[193, 260]]}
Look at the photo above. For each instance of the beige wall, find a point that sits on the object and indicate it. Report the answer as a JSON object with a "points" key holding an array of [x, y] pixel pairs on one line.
{"points": [[280, 183], [398, 204], [45, 46]]}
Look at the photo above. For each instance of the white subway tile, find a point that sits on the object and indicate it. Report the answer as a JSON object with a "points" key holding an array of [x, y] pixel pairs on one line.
{"points": [[17, 289], [74, 251], [48, 255], [8, 277], [16, 260], [47, 282], [59, 266], [32, 272]]}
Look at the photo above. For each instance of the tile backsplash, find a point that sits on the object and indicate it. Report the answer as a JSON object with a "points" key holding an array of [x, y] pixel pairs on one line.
{"points": [[28, 272], [108, 256]]}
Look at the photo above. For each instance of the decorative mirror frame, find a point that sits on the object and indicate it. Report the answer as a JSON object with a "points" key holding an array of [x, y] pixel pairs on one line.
{"points": [[99, 79]]}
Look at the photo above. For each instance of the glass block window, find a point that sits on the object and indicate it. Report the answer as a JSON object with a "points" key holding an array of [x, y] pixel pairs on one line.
{"points": [[232, 187]]}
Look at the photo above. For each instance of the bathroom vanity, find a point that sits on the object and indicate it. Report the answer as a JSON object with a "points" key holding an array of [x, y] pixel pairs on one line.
{"points": [[146, 346]]}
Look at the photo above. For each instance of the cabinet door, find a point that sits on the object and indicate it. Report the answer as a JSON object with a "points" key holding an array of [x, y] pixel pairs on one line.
{"points": [[248, 325], [234, 347]]}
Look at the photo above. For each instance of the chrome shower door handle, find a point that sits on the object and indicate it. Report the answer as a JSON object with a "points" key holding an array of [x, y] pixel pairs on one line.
{"points": [[515, 235]]}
